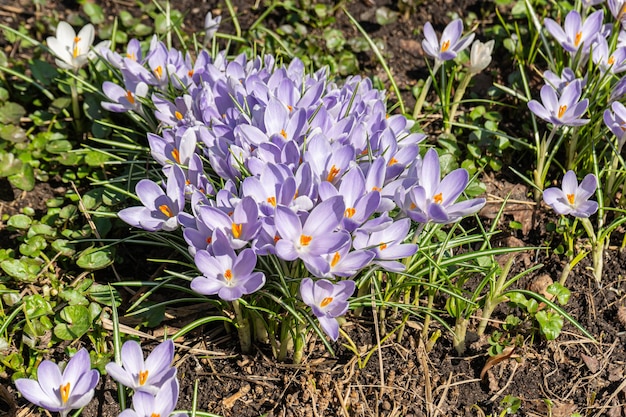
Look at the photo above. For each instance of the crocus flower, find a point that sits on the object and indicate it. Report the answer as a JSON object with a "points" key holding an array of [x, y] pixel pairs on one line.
{"points": [[61, 392], [162, 403], [226, 274], [572, 198], [559, 83], [480, 56], [614, 62], [563, 110], [434, 199], [71, 50], [575, 33], [149, 375], [450, 44], [211, 24], [327, 301], [387, 244], [616, 122], [160, 209], [618, 9]]}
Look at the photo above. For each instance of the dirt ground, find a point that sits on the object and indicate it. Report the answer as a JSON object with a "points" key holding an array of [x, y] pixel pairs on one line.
{"points": [[401, 378]]}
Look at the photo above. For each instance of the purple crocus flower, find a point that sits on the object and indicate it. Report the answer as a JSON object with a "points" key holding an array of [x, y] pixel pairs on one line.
{"points": [[162, 403], [327, 301], [227, 274], [125, 98], [160, 209], [211, 24], [315, 237], [614, 62], [563, 110], [559, 83], [616, 122], [61, 392], [450, 44], [149, 375], [575, 33], [387, 244], [572, 198], [434, 199]]}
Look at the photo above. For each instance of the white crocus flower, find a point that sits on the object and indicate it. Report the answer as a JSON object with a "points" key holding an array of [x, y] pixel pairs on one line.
{"points": [[70, 49], [480, 56]]}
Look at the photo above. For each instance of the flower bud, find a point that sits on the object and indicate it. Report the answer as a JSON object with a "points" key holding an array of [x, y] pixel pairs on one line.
{"points": [[480, 55]]}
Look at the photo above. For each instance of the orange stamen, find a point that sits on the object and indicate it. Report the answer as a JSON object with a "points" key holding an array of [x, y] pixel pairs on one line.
{"points": [[290, 108], [190, 73], [143, 377], [228, 274], [272, 201], [412, 206], [176, 155], [237, 230], [332, 173], [374, 188], [166, 210], [178, 115], [159, 72], [349, 212], [65, 392], [571, 198], [305, 240], [209, 240], [562, 111], [155, 415], [335, 260], [131, 56], [276, 238], [382, 246], [130, 97], [326, 301], [392, 161], [283, 133], [438, 198], [76, 51], [611, 60], [579, 35], [445, 46]]}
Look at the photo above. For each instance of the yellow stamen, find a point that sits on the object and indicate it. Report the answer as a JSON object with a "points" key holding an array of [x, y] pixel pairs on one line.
{"points": [[290, 108], [65, 392], [579, 35], [305, 240], [166, 210], [76, 51], [611, 60], [130, 97], [283, 133], [332, 173], [159, 72], [178, 115], [143, 377], [382, 246], [155, 415], [326, 301], [176, 155], [237, 230], [562, 110], [349, 212], [228, 274], [335, 260], [392, 161], [374, 188], [571, 198], [445, 46], [272, 201], [438, 198], [131, 56]]}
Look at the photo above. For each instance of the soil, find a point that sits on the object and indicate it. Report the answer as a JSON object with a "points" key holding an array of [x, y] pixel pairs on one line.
{"points": [[572, 374]]}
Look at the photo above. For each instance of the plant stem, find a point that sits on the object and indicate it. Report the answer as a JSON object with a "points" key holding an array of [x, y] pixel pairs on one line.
{"points": [[458, 95], [298, 351], [597, 250], [78, 122], [422, 97], [458, 339], [540, 171], [243, 328], [571, 150], [495, 296]]}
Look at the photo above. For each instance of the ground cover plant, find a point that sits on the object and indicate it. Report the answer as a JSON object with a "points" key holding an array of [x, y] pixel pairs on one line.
{"points": [[293, 219]]}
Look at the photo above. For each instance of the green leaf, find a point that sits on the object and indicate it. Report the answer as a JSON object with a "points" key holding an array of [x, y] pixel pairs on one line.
{"points": [[385, 16], [59, 146], [24, 179], [33, 246], [23, 269], [77, 323], [73, 297], [13, 134], [9, 164], [102, 295], [19, 221], [95, 158], [562, 294], [35, 305], [64, 246], [11, 113], [94, 11], [550, 323], [96, 258], [43, 72]]}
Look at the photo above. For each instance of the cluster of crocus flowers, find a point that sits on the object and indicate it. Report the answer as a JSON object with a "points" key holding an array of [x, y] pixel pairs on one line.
{"points": [[153, 380], [61, 391], [309, 170]]}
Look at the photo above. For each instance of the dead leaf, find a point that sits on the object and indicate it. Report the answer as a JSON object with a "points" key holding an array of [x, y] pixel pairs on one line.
{"points": [[591, 363], [507, 353], [621, 315]]}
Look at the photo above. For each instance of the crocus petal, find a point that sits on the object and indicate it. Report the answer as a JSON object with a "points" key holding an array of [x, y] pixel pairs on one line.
{"points": [[570, 183], [330, 327], [119, 374], [132, 357], [587, 187], [160, 359], [33, 392]]}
